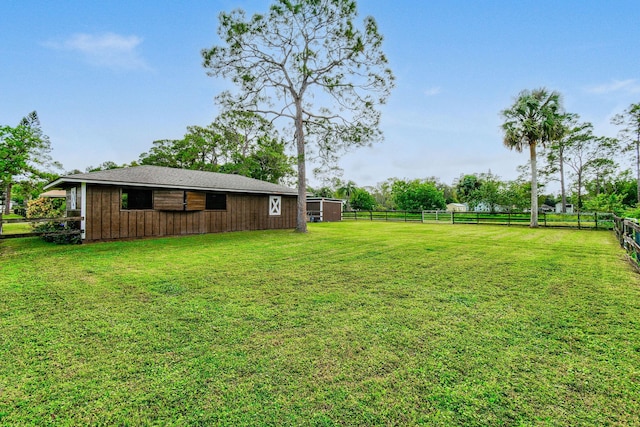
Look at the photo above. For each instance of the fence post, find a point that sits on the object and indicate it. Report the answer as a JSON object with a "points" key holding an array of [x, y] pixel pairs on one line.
{"points": [[0, 223], [453, 217], [624, 233], [371, 215], [579, 221], [636, 238], [595, 217]]}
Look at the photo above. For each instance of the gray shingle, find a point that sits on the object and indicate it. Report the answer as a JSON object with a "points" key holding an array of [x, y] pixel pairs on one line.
{"points": [[161, 177]]}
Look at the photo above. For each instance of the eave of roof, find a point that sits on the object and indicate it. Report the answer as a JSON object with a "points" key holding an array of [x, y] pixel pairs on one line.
{"points": [[54, 194]]}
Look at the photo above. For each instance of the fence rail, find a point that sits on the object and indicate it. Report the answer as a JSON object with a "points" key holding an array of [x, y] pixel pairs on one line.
{"points": [[400, 216], [628, 234], [63, 220], [588, 220], [582, 220]]}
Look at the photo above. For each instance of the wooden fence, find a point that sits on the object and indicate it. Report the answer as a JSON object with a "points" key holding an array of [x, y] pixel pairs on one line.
{"points": [[588, 220], [398, 216], [599, 221], [65, 220], [404, 216], [628, 234]]}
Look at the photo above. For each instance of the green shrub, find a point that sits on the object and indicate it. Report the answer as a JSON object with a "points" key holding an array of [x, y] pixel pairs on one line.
{"points": [[46, 208], [20, 211], [605, 203], [58, 227], [362, 200], [632, 213]]}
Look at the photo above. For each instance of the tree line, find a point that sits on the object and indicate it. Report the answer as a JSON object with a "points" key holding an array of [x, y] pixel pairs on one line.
{"points": [[584, 165], [483, 191]]}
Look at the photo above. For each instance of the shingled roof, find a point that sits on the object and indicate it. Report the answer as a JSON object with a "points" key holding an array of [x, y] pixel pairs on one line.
{"points": [[161, 177]]}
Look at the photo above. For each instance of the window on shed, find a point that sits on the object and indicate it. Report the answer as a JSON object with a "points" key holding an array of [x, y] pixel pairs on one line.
{"points": [[137, 199], [216, 202]]}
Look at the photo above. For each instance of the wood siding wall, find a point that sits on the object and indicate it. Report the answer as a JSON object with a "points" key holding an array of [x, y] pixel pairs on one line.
{"points": [[331, 210], [105, 220]]}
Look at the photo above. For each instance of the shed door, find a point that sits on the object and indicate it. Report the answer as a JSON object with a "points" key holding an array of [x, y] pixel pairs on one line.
{"points": [[168, 200], [195, 201]]}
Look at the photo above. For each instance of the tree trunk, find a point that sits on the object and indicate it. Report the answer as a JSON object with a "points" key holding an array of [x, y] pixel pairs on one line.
{"points": [[638, 167], [301, 218], [562, 189], [534, 185], [580, 191], [7, 202]]}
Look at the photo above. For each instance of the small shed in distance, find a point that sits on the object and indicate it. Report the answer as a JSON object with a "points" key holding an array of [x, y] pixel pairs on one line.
{"points": [[322, 209], [457, 207], [568, 208]]}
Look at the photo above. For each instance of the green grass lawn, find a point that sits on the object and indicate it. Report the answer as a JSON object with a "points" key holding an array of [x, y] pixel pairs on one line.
{"points": [[16, 227], [11, 216], [354, 323]]}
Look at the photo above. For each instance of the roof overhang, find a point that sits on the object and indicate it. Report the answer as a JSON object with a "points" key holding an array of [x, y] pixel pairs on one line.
{"points": [[326, 199], [60, 183]]}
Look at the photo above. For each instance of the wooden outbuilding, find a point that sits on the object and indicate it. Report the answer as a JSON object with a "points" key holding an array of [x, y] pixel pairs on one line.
{"points": [[153, 201], [321, 209]]}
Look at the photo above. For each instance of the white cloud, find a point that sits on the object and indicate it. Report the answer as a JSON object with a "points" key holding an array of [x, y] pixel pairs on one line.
{"points": [[628, 86], [105, 50], [433, 91]]}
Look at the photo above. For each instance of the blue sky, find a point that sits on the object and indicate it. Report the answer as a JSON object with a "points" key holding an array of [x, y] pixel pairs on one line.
{"points": [[109, 78]]}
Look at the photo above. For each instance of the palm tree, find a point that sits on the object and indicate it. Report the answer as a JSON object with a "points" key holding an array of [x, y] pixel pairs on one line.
{"points": [[535, 118], [345, 190]]}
